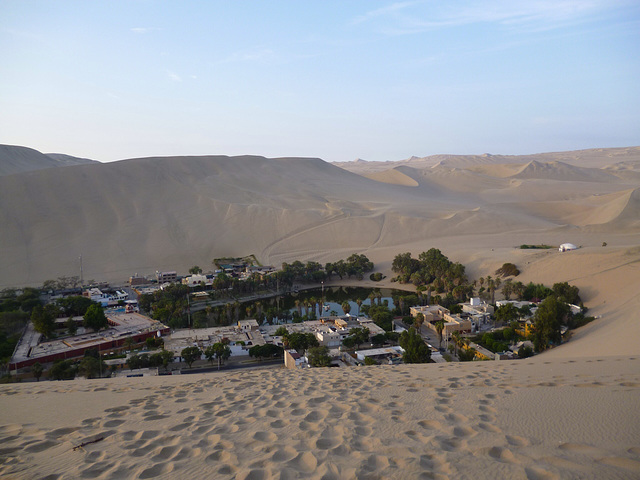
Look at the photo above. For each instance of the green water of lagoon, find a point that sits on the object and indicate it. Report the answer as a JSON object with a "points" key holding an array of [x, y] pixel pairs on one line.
{"points": [[334, 297]]}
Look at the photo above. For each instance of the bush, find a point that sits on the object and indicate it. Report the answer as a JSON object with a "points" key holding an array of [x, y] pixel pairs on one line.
{"points": [[508, 270], [376, 277], [525, 352]]}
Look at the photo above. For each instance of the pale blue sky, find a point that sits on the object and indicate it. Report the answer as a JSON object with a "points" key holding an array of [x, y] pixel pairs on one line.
{"points": [[331, 79]]}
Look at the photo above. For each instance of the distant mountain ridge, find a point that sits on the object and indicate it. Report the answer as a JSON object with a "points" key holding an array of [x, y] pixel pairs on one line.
{"points": [[16, 159], [595, 158]]}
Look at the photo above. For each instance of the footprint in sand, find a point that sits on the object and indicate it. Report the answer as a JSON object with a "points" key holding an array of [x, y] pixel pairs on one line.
{"points": [[581, 449], [538, 473], [502, 454], [265, 437], [517, 441]]}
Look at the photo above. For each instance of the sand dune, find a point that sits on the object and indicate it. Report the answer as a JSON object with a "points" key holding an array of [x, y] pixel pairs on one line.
{"points": [[172, 212], [528, 420], [393, 176], [15, 159]]}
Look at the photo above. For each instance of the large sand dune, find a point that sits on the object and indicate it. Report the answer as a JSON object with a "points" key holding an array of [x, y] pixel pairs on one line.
{"points": [[170, 213], [15, 159]]}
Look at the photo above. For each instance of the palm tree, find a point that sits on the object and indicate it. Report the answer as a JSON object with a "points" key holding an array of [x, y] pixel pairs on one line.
{"points": [[346, 307], [359, 303], [457, 339], [497, 282], [439, 328], [372, 297], [259, 311], [299, 307]]}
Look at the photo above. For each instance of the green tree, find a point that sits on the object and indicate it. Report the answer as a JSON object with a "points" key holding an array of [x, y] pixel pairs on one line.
{"points": [[162, 358], [346, 307], [210, 353], [195, 270], [36, 370], [548, 321], [281, 332], [62, 370], [302, 341], [95, 318], [43, 321], [359, 335], [72, 328], [370, 361], [90, 367], [190, 354], [567, 293], [466, 354], [415, 350], [439, 328], [75, 304], [506, 313], [222, 352], [319, 357]]}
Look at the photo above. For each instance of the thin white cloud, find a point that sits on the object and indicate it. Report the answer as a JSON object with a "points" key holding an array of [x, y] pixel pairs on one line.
{"points": [[142, 30], [174, 76], [383, 11], [257, 55], [422, 16]]}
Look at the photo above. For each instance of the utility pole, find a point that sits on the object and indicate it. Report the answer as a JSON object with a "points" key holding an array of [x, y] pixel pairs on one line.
{"points": [[188, 311], [81, 273]]}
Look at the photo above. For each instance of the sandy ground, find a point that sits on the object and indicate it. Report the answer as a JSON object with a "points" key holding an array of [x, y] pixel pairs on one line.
{"points": [[534, 419]]}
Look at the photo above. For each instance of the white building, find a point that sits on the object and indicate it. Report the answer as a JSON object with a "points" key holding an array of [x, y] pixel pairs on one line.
{"points": [[566, 247]]}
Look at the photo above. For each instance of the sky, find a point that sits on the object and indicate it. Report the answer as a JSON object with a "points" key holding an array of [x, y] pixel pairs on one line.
{"points": [[376, 80]]}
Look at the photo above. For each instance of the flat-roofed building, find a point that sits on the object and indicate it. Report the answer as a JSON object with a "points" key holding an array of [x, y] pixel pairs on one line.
{"points": [[293, 359], [166, 277], [391, 355], [122, 326]]}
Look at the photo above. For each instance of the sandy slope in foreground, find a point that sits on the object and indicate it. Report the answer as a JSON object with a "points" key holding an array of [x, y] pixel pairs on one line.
{"points": [[573, 418]]}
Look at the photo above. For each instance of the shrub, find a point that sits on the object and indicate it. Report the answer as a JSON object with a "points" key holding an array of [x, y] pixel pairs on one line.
{"points": [[508, 270], [376, 277]]}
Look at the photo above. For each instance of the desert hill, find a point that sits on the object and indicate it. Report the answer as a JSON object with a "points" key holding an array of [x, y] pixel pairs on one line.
{"points": [[596, 158], [145, 214], [16, 159]]}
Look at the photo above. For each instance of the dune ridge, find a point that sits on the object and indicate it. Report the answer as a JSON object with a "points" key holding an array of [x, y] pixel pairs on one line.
{"points": [[149, 214]]}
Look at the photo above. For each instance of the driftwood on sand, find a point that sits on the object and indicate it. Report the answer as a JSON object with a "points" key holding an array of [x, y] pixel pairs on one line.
{"points": [[89, 442]]}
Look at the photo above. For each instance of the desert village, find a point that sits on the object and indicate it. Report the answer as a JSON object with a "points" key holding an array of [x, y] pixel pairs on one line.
{"points": [[129, 331]]}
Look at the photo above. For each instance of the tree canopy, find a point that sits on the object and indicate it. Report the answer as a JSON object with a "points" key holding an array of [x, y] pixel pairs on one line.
{"points": [[548, 320], [43, 320], [431, 268], [190, 355], [302, 341], [415, 350], [94, 318], [319, 356]]}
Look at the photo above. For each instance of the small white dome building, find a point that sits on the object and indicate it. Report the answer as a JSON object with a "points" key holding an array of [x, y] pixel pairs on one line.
{"points": [[565, 247]]}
